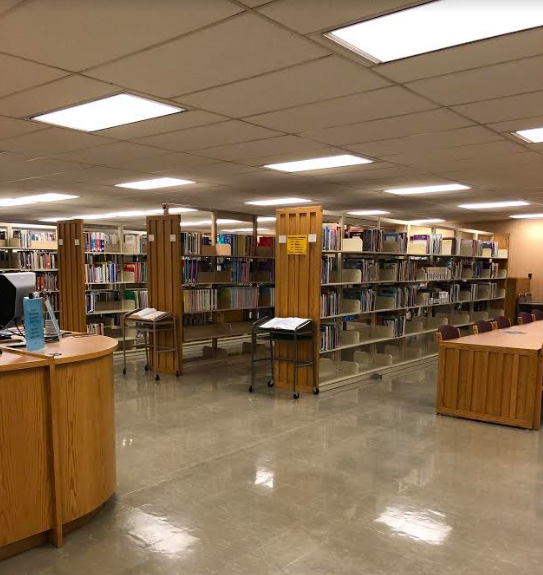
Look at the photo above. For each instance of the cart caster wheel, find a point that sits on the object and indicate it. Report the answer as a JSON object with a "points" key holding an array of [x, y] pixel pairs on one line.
{"points": [[295, 395], [251, 389], [157, 377], [270, 383], [177, 373], [146, 368], [316, 391], [124, 371]]}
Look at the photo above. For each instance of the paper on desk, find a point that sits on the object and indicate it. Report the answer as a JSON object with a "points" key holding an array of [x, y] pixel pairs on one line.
{"points": [[288, 323]]}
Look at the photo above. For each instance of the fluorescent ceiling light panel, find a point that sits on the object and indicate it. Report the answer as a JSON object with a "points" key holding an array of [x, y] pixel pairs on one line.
{"points": [[437, 25], [265, 219], [155, 184], [427, 189], [107, 113], [427, 221], [249, 230], [279, 202], [35, 199], [369, 213], [533, 136], [527, 216], [320, 163], [490, 205]]}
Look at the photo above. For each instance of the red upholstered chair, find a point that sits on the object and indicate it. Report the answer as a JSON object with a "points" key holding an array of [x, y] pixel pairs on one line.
{"points": [[501, 322], [524, 317], [537, 314], [481, 326], [447, 332]]}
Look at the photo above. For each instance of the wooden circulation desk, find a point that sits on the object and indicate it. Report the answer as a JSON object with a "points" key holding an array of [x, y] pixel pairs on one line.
{"points": [[57, 439], [494, 377]]}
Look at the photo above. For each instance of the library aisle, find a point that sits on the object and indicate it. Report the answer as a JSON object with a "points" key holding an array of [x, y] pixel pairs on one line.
{"points": [[213, 480]]}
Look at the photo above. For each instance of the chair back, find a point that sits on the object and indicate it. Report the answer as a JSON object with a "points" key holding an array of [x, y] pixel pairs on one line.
{"points": [[447, 332], [524, 317], [537, 314], [501, 322], [481, 326]]}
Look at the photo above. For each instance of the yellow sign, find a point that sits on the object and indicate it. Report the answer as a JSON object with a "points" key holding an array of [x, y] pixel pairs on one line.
{"points": [[297, 245]]}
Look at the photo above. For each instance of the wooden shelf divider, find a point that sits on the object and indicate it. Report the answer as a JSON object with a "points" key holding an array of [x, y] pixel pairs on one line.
{"points": [[164, 280], [298, 287]]}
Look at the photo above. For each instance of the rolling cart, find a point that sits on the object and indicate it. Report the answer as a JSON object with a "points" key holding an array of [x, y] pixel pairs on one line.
{"points": [[303, 332], [149, 327]]}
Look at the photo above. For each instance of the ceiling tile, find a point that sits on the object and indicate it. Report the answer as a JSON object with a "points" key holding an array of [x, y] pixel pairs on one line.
{"points": [[501, 109], [474, 55], [406, 125], [171, 123], [18, 74], [51, 141], [55, 95], [165, 162], [423, 143], [34, 168], [327, 14], [265, 147], [10, 127], [78, 35], [483, 83], [392, 101], [235, 49], [112, 154], [230, 132], [255, 3], [515, 125], [321, 79]]}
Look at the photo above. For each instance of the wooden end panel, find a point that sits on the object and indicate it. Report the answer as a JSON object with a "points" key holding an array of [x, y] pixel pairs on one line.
{"points": [[297, 288], [164, 281]]}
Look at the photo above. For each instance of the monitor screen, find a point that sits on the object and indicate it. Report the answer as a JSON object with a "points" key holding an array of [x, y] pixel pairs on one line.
{"points": [[14, 287]]}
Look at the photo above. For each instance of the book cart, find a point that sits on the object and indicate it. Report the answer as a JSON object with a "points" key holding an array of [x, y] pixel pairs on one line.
{"points": [[386, 286]]}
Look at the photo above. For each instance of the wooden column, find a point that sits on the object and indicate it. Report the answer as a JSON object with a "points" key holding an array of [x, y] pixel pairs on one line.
{"points": [[164, 280], [298, 286], [71, 275]]}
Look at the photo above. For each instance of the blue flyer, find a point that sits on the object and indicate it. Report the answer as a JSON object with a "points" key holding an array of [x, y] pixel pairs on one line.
{"points": [[34, 323]]}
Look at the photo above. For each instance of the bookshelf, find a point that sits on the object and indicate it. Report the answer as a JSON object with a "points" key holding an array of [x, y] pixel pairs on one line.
{"points": [[387, 285], [228, 280], [115, 270], [35, 249]]}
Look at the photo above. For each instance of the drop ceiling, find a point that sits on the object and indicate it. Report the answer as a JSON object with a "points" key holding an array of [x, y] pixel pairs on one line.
{"points": [[262, 85]]}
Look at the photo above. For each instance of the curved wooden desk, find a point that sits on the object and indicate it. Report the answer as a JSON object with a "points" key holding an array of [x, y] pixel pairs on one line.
{"points": [[57, 439]]}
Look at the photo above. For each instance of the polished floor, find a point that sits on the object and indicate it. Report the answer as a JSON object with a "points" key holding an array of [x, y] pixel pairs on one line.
{"points": [[362, 481]]}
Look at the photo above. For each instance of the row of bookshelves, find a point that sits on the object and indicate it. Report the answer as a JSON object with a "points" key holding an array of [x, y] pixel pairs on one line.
{"points": [[28, 239]]}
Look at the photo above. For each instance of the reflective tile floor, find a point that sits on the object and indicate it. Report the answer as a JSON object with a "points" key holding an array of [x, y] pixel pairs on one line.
{"points": [[362, 481]]}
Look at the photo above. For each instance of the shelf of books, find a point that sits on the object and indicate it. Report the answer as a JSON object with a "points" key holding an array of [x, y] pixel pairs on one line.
{"points": [[228, 283], [386, 286], [28, 248], [115, 278]]}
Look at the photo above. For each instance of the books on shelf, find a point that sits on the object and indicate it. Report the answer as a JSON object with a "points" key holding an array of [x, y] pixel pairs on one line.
{"points": [[191, 243], [331, 236], [238, 297], [329, 336], [101, 242], [198, 300], [135, 272], [46, 281], [139, 297], [329, 302], [36, 260], [419, 244], [395, 242], [240, 270], [134, 243], [102, 301], [328, 267], [369, 269], [394, 324], [266, 296], [29, 238], [366, 297], [102, 272], [242, 244]]}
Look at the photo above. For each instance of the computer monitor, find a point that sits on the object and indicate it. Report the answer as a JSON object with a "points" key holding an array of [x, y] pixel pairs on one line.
{"points": [[14, 287]]}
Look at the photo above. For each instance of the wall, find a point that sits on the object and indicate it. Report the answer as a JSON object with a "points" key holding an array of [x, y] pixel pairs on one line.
{"points": [[525, 248]]}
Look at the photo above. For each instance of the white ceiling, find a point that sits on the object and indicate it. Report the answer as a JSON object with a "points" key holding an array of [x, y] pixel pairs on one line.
{"points": [[261, 85]]}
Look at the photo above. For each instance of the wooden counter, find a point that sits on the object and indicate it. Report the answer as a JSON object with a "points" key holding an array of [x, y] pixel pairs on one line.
{"points": [[494, 377], [57, 439]]}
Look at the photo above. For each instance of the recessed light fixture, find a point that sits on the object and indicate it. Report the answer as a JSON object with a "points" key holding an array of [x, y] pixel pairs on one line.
{"points": [[369, 213], [490, 205], [266, 219], [35, 199], [325, 163], [112, 215], [108, 112], [527, 216], [533, 136], [31, 226], [436, 25], [279, 202], [427, 221], [154, 184], [427, 189]]}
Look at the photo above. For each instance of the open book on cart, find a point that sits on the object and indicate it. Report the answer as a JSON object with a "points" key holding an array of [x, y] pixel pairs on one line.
{"points": [[149, 314], [287, 323]]}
